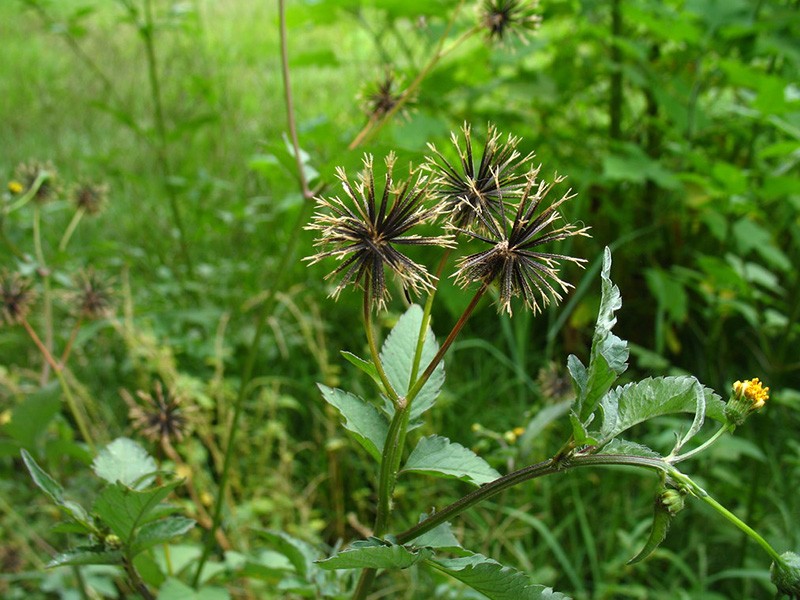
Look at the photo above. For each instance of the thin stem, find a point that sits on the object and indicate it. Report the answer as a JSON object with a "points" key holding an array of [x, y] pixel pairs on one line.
{"points": [[375, 125], [73, 224], [418, 385], [147, 33], [426, 319], [373, 348], [702, 447], [47, 300], [547, 467], [136, 580], [287, 95], [70, 342], [247, 374]]}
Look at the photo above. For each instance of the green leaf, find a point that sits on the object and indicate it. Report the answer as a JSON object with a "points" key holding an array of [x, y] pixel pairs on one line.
{"points": [[658, 533], [375, 554], [620, 446], [125, 461], [634, 403], [174, 589], [364, 365], [494, 580], [123, 510], [609, 355], [440, 537], [31, 417], [158, 532], [300, 554], [368, 426], [397, 355], [55, 492], [439, 456], [86, 555]]}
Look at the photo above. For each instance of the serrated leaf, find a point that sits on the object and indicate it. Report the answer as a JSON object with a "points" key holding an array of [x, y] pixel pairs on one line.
{"points": [[620, 446], [397, 356], [55, 492], [375, 554], [364, 365], [634, 403], [125, 461], [158, 532], [300, 554], [123, 510], [658, 533], [609, 355], [368, 426], [86, 555], [440, 537], [439, 456], [492, 579]]}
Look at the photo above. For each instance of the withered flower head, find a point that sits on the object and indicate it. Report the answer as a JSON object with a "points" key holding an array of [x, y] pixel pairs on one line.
{"points": [[92, 295], [41, 177], [502, 18], [382, 96], [159, 416], [90, 197], [16, 296], [467, 190], [513, 259], [362, 231]]}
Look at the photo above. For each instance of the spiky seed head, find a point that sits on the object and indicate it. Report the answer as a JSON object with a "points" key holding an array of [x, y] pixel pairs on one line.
{"points": [[380, 97], [92, 295], [16, 297], [362, 231], [504, 18], [513, 259], [158, 416], [91, 197], [41, 177]]}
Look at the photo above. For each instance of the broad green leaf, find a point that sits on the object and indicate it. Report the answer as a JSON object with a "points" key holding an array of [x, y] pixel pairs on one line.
{"points": [[658, 533], [124, 509], [609, 354], [368, 426], [158, 532], [494, 580], [620, 446], [364, 365], [634, 403], [439, 456], [397, 356], [375, 554], [125, 461], [55, 492], [440, 537], [31, 417], [174, 589], [86, 555], [301, 554]]}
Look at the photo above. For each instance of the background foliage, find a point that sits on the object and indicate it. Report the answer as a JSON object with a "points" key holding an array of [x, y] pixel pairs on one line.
{"points": [[678, 124]]}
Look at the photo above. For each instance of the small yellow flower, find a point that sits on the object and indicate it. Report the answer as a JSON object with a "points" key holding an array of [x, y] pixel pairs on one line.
{"points": [[510, 437], [15, 187], [5, 417], [748, 396], [518, 431], [753, 390]]}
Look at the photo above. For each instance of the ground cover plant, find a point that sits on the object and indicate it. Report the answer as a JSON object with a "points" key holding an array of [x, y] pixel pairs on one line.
{"points": [[176, 421]]}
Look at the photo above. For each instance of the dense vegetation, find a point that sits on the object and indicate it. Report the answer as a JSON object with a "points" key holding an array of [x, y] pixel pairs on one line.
{"points": [[164, 232]]}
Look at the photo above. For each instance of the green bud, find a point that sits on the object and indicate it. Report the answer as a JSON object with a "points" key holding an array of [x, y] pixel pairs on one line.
{"points": [[785, 574], [672, 500], [113, 541]]}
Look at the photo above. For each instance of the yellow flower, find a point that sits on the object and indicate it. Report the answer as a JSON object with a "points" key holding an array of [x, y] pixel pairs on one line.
{"points": [[15, 187], [753, 390]]}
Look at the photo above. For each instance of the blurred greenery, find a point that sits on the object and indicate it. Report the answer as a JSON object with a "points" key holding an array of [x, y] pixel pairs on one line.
{"points": [[678, 125]]}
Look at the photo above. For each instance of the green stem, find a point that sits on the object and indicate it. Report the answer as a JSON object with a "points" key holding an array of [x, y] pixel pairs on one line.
{"points": [[702, 447], [426, 319], [373, 348], [47, 300], [73, 224]]}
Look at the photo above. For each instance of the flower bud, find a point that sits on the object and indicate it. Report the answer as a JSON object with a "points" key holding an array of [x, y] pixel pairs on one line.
{"points": [[785, 574], [672, 500], [748, 396]]}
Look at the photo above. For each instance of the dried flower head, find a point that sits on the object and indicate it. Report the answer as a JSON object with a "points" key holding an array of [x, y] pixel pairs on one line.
{"points": [[159, 416], [363, 229], [502, 18], [92, 295], [90, 197], [748, 396], [382, 96], [467, 190], [17, 296], [40, 177], [513, 259]]}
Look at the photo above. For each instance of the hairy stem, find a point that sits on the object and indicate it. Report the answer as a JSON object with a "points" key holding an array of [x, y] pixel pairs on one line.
{"points": [[73, 225]]}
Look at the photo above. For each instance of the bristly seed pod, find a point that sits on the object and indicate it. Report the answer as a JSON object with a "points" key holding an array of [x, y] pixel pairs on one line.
{"points": [[16, 297], [41, 177], [159, 417], [503, 18]]}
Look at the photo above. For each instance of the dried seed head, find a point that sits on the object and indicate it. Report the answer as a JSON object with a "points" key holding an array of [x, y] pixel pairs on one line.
{"points": [[90, 197], [380, 97], [159, 416], [92, 296], [41, 177], [17, 296], [513, 259], [467, 189], [362, 231], [503, 18]]}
